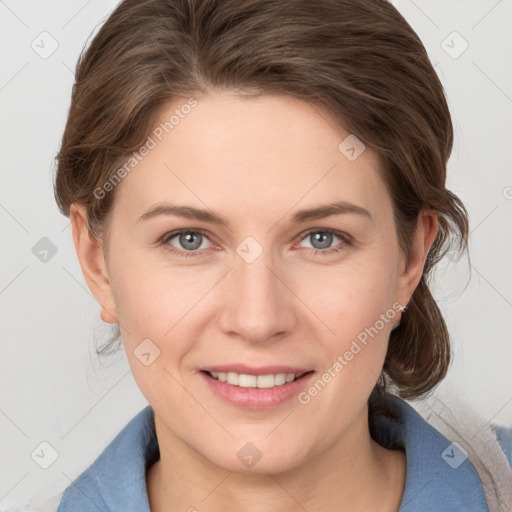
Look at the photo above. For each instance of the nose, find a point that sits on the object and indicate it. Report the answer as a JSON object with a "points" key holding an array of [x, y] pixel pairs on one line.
{"points": [[257, 303]]}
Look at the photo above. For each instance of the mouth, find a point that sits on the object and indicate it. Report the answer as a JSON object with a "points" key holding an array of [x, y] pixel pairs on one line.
{"points": [[250, 388], [245, 380]]}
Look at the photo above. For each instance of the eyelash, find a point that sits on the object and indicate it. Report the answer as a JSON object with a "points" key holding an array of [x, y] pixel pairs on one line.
{"points": [[347, 240]]}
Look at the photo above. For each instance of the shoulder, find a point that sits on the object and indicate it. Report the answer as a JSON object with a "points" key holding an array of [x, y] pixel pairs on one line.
{"points": [[472, 457], [116, 479], [439, 475], [504, 437]]}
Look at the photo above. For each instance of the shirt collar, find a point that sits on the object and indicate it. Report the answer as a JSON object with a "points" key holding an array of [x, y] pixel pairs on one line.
{"points": [[438, 476]]}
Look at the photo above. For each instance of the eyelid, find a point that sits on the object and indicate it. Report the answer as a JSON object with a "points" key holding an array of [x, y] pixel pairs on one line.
{"points": [[164, 240], [171, 234], [341, 234]]}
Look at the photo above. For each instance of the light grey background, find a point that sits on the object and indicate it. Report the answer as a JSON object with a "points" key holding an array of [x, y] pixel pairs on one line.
{"points": [[54, 390]]}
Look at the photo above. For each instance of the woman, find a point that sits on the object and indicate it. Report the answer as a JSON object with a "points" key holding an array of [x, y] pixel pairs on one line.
{"points": [[257, 195]]}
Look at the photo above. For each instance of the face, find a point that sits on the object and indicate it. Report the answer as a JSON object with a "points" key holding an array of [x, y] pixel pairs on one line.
{"points": [[246, 246]]}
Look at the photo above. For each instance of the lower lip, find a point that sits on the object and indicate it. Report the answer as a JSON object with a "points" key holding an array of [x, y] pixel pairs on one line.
{"points": [[256, 398]]}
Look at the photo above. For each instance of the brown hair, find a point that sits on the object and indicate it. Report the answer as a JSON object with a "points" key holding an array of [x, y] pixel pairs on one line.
{"points": [[359, 59]]}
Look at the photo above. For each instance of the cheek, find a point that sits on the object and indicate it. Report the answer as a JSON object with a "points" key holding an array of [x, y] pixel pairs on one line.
{"points": [[352, 297], [357, 303], [341, 303], [156, 308], [151, 296]]}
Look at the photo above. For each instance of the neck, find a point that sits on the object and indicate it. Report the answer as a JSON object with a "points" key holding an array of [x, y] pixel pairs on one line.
{"points": [[354, 474]]}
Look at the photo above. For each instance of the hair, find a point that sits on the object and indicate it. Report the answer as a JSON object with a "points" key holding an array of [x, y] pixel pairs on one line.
{"points": [[357, 59]]}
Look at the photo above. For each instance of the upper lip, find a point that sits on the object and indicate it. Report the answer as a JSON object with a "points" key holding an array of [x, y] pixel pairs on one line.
{"points": [[253, 370]]}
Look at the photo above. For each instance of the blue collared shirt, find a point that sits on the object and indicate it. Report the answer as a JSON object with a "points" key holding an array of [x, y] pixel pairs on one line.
{"points": [[438, 476]]}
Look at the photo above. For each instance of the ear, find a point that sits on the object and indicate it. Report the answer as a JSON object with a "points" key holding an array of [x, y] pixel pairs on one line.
{"points": [[426, 231], [90, 254]]}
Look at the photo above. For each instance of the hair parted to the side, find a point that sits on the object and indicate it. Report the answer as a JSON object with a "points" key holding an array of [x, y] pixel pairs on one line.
{"points": [[358, 59]]}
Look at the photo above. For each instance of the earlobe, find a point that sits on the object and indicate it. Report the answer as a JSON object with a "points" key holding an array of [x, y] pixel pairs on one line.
{"points": [[92, 261], [423, 239]]}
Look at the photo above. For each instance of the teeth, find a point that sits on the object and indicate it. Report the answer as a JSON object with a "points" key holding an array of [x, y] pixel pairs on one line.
{"points": [[266, 381], [254, 381], [247, 381], [232, 378], [280, 378]]}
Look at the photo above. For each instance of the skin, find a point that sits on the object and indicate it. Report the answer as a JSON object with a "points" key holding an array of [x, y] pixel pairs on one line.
{"points": [[256, 162]]}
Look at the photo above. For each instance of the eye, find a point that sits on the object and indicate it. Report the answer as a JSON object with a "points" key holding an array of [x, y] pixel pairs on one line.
{"points": [[187, 242], [322, 239], [194, 242]]}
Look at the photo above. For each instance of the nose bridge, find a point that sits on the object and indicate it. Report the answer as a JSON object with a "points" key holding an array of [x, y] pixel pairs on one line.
{"points": [[260, 305]]}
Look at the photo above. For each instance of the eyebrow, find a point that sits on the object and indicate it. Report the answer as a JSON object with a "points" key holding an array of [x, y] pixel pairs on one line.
{"points": [[190, 212]]}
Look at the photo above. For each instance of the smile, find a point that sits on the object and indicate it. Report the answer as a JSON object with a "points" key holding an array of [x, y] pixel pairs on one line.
{"points": [[245, 380], [266, 390]]}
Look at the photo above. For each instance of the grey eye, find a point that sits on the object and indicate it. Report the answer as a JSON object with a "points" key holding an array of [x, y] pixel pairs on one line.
{"points": [[190, 240], [321, 239]]}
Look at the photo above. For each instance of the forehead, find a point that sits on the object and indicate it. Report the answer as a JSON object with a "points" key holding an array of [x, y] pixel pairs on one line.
{"points": [[266, 153]]}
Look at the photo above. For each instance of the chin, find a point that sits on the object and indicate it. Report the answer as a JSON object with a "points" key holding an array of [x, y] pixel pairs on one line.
{"points": [[258, 458]]}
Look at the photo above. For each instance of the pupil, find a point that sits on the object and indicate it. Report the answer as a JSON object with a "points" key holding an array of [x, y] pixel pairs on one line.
{"points": [[321, 238], [190, 240]]}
